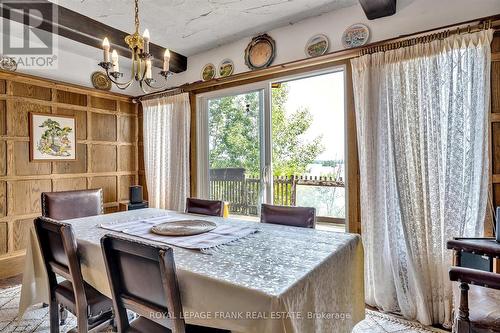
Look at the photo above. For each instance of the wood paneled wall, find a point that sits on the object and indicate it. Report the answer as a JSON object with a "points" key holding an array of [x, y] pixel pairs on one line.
{"points": [[495, 125], [107, 154]]}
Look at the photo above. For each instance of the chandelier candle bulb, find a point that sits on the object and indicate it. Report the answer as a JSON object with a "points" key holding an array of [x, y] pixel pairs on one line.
{"points": [[114, 61], [149, 74], [166, 61], [147, 38], [105, 46]]}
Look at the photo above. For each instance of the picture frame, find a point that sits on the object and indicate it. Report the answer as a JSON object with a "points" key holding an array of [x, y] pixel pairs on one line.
{"points": [[52, 137]]}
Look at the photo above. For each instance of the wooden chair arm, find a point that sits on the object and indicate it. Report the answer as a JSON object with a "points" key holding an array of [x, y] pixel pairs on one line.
{"points": [[475, 277], [481, 246]]}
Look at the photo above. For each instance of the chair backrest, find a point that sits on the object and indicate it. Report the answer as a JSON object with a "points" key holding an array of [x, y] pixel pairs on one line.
{"points": [[72, 204], [59, 251], [304, 217], [143, 279], [205, 207]]}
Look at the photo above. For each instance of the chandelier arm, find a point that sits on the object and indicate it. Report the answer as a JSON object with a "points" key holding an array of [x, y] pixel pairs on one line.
{"points": [[156, 87], [144, 90], [117, 83]]}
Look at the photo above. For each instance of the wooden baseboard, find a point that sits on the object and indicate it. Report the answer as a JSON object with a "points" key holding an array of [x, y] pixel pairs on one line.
{"points": [[12, 264]]}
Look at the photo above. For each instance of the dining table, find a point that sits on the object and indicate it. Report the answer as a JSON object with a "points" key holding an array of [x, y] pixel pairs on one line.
{"points": [[278, 279]]}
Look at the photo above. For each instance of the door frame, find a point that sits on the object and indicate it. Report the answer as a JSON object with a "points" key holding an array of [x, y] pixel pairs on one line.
{"points": [[202, 169], [350, 145]]}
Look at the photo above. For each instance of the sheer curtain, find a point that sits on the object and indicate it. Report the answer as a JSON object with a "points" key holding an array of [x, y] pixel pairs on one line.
{"points": [[422, 123], [166, 150]]}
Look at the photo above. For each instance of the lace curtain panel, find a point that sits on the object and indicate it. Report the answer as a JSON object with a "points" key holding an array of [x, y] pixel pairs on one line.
{"points": [[166, 151], [422, 126]]}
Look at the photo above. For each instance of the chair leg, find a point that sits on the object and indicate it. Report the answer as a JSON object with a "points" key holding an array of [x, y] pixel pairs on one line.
{"points": [[63, 315], [462, 322], [83, 323], [54, 316]]}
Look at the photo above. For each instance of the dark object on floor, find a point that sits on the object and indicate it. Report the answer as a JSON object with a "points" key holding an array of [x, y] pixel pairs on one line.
{"points": [[135, 194], [476, 261], [131, 265], [478, 310], [58, 246], [140, 205]]}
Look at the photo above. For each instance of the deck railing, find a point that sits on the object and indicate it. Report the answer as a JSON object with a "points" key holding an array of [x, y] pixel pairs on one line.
{"points": [[242, 192]]}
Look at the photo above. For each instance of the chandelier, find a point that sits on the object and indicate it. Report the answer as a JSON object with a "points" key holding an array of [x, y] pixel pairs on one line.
{"points": [[141, 60]]}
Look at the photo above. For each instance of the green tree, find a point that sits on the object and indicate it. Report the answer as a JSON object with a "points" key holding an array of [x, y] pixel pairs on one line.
{"points": [[234, 134]]}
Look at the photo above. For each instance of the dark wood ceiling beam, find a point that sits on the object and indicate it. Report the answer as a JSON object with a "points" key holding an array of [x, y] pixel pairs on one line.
{"points": [[375, 9], [83, 29]]}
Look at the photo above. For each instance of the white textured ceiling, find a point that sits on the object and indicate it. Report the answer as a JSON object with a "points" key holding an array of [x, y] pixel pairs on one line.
{"points": [[193, 26]]}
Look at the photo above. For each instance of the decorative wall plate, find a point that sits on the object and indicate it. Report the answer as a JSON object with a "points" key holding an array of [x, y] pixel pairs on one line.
{"points": [[226, 68], [183, 228], [208, 72], [8, 64], [317, 45], [260, 52], [100, 81], [356, 35]]}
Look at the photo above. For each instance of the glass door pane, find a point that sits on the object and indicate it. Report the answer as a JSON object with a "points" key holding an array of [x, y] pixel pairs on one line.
{"points": [[308, 144], [235, 146]]}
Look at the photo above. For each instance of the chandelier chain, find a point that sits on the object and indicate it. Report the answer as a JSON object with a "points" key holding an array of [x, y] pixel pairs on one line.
{"points": [[137, 16]]}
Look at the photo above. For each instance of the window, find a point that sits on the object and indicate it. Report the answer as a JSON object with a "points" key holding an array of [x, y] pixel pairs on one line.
{"points": [[279, 142]]}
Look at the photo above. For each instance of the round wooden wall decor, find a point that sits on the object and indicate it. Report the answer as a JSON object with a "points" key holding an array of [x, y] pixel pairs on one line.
{"points": [[260, 52], [100, 81]]}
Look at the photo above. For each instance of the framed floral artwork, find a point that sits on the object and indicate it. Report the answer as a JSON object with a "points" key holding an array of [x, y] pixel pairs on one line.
{"points": [[52, 137]]}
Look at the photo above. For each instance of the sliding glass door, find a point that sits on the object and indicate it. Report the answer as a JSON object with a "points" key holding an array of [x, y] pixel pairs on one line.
{"points": [[277, 142], [235, 164]]}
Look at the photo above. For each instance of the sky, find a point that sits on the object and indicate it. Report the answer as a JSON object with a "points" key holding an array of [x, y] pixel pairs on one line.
{"points": [[323, 95]]}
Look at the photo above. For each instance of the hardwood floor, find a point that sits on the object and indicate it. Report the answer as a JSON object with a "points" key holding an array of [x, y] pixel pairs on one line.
{"points": [[11, 282]]}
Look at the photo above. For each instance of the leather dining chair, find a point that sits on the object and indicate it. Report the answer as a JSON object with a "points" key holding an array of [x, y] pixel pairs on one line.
{"points": [[59, 251], [304, 217], [205, 207], [67, 205], [143, 279]]}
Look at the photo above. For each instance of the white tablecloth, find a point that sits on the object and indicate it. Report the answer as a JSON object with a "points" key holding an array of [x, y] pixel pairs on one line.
{"points": [[281, 279]]}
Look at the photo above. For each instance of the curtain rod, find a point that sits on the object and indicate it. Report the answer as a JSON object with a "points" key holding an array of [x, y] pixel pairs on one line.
{"points": [[492, 21], [484, 25], [164, 93]]}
